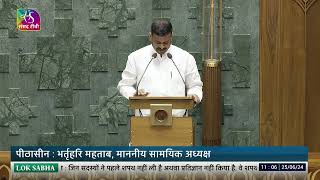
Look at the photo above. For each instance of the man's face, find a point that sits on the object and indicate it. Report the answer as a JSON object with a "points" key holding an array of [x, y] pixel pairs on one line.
{"points": [[160, 43]]}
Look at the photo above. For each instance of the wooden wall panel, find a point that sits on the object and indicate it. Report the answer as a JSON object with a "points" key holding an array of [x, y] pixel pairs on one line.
{"points": [[292, 63], [270, 129], [282, 72], [292, 96], [289, 73], [313, 78]]}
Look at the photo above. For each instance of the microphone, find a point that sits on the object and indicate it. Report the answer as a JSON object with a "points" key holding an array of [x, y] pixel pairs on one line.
{"points": [[185, 86], [154, 55], [170, 57]]}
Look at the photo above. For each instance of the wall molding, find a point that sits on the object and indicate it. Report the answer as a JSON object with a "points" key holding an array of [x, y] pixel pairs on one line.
{"points": [[305, 4]]}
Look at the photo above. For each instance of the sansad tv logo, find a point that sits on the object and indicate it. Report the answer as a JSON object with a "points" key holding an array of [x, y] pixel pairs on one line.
{"points": [[28, 20]]}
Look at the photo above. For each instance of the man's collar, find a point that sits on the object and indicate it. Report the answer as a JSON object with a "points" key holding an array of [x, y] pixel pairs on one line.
{"points": [[158, 55]]}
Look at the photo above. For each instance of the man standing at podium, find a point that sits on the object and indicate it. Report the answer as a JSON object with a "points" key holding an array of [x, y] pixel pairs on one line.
{"points": [[161, 69]]}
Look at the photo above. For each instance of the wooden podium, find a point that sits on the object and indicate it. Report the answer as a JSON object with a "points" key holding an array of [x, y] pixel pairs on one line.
{"points": [[160, 128]]}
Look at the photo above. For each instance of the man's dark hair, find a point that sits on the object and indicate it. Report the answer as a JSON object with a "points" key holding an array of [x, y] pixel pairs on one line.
{"points": [[161, 27]]}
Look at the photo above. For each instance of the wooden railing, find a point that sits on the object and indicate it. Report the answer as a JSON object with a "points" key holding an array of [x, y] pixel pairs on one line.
{"points": [[314, 166], [5, 171]]}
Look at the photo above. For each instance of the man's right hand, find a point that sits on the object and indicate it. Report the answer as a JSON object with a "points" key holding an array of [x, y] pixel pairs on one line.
{"points": [[141, 92]]}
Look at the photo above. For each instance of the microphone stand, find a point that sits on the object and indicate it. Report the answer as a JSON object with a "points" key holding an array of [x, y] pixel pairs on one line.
{"points": [[154, 55], [185, 86]]}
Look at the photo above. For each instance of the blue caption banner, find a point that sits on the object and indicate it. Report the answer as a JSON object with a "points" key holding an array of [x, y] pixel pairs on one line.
{"points": [[158, 153]]}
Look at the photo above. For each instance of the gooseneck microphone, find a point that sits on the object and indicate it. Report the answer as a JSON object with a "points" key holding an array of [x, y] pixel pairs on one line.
{"points": [[170, 57], [154, 55], [185, 86]]}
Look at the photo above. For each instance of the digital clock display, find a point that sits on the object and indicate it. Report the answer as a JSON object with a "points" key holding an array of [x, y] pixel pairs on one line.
{"points": [[282, 167]]}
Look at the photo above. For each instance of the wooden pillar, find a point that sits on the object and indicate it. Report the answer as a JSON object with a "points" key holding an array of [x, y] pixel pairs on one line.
{"points": [[211, 103]]}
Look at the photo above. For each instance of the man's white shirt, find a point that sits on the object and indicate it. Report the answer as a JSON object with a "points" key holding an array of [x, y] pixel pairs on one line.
{"points": [[161, 77]]}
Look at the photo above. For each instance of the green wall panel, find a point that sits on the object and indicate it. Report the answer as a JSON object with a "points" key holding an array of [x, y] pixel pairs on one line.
{"points": [[57, 86]]}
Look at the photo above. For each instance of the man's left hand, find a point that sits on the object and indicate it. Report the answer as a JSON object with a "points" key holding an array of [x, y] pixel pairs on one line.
{"points": [[195, 98]]}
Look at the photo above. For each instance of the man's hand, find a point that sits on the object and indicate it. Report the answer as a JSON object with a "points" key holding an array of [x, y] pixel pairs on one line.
{"points": [[195, 98], [141, 92]]}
